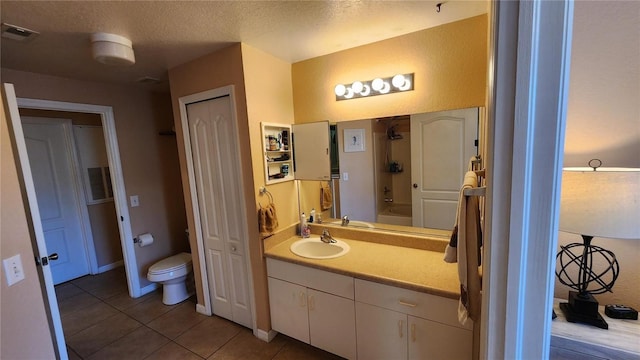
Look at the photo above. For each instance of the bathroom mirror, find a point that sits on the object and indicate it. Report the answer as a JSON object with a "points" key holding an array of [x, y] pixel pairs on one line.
{"points": [[377, 186]]}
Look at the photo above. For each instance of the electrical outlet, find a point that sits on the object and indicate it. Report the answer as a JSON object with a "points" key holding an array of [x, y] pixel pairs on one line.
{"points": [[134, 200], [13, 269]]}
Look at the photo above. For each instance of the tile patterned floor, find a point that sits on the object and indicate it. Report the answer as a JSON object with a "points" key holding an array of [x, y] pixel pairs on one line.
{"points": [[101, 321]]}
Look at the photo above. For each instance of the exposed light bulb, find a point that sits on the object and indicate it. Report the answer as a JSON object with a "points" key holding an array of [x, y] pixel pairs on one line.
{"points": [[366, 91], [357, 86], [340, 90], [349, 93], [398, 81], [385, 88], [406, 86], [377, 84]]}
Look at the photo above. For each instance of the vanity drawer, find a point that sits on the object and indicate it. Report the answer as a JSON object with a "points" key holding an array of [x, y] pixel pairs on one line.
{"points": [[325, 281], [426, 306]]}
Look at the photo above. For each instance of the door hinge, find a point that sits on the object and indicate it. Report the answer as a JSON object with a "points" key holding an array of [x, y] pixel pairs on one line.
{"points": [[475, 142], [121, 218]]}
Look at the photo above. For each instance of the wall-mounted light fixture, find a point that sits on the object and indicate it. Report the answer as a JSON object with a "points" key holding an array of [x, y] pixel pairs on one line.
{"points": [[377, 86]]}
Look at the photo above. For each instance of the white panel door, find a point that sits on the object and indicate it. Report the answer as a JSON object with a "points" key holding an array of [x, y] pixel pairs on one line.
{"points": [[51, 160], [382, 333], [217, 172], [445, 141], [288, 308], [332, 323], [433, 340]]}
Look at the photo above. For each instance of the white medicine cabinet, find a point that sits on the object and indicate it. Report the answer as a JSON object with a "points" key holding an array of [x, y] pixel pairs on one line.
{"points": [[299, 151]]}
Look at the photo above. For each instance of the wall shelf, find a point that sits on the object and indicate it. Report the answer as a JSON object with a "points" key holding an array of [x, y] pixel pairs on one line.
{"points": [[278, 152]]}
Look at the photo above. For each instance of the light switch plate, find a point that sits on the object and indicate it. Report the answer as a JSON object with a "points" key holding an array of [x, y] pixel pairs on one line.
{"points": [[13, 269], [134, 200]]}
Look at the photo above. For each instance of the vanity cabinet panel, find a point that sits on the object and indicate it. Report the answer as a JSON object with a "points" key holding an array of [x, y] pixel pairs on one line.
{"points": [[332, 323], [328, 282], [288, 303], [429, 324], [313, 306], [410, 302], [433, 340], [381, 333]]}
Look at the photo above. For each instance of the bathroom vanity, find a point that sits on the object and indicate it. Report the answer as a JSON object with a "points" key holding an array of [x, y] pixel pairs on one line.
{"points": [[378, 301]]}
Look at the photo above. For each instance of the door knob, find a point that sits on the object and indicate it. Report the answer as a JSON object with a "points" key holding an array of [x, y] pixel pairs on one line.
{"points": [[415, 186], [45, 260]]}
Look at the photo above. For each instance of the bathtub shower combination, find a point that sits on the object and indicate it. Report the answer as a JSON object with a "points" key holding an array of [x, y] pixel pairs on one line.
{"points": [[395, 214]]}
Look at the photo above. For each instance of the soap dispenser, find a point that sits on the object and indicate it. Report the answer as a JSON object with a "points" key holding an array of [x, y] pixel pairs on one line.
{"points": [[305, 230]]}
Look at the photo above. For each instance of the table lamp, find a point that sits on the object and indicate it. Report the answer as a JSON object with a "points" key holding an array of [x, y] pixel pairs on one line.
{"points": [[596, 202]]}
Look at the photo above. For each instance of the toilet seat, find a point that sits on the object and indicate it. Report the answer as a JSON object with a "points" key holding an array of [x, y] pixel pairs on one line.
{"points": [[170, 268]]}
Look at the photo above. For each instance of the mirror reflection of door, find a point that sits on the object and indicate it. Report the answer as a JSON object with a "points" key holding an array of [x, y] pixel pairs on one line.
{"points": [[442, 146]]}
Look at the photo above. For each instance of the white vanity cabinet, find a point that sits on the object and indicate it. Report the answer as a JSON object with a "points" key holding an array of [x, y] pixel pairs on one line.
{"points": [[313, 306], [404, 324]]}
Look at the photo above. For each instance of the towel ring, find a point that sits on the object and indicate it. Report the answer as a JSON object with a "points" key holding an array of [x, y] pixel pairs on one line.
{"points": [[263, 190]]}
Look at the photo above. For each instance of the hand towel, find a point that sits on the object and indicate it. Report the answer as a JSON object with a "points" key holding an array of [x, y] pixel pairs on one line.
{"points": [[468, 251], [326, 199], [267, 220]]}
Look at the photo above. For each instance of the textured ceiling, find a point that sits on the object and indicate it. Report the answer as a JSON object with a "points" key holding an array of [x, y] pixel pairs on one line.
{"points": [[169, 33]]}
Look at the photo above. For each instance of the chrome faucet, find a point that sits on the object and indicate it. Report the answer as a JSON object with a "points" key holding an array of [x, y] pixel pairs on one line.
{"points": [[345, 220], [326, 237]]}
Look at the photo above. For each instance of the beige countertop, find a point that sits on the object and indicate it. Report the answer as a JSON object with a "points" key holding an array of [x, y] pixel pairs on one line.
{"points": [[406, 267]]}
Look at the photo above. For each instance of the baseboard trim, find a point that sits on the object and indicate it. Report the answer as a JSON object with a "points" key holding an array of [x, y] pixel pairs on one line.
{"points": [[149, 288], [266, 336], [111, 266], [201, 309]]}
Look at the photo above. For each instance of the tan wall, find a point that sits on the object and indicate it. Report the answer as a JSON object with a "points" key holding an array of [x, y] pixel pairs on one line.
{"points": [[269, 98], [149, 161], [449, 62], [25, 330], [213, 71], [104, 228]]}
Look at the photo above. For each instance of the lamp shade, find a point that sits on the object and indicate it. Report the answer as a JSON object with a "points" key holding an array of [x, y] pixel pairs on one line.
{"points": [[601, 203]]}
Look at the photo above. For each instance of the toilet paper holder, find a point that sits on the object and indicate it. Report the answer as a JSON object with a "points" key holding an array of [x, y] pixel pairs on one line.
{"points": [[143, 239]]}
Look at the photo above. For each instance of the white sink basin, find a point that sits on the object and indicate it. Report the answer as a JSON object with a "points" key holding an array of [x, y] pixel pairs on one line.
{"points": [[355, 223], [314, 248]]}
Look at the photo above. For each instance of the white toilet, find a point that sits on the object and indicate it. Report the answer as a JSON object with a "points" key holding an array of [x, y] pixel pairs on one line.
{"points": [[172, 274]]}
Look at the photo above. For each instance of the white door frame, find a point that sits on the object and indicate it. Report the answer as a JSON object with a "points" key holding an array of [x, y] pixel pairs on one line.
{"points": [[183, 102], [530, 57], [32, 211], [77, 186], [115, 168]]}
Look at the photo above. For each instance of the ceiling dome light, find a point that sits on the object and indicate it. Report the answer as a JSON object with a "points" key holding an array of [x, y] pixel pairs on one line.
{"points": [[357, 86], [398, 81], [340, 90], [111, 49]]}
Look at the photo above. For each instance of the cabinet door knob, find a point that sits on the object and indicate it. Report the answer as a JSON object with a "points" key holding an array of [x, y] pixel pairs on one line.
{"points": [[233, 248], [415, 186]]}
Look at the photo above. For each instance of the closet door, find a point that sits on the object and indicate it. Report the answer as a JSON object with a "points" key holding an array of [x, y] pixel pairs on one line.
{"points": [[216, 164]]}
